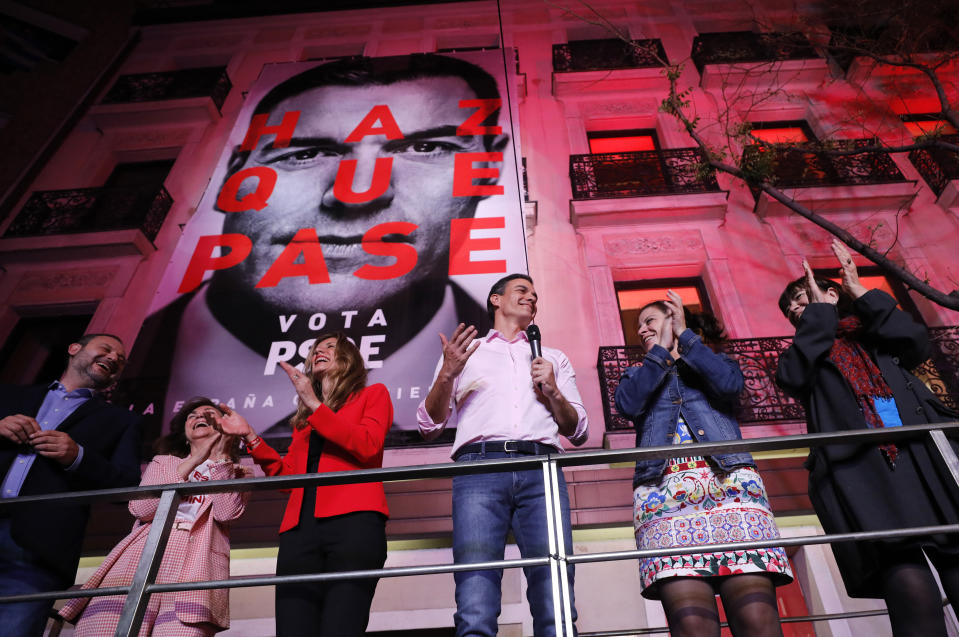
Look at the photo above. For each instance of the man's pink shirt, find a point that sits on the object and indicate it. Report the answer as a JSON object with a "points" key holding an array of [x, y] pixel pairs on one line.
{"points": [[493, 397]]}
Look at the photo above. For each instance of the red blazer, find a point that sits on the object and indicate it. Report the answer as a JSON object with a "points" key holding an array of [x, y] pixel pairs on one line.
{"points": [[354, 438]]}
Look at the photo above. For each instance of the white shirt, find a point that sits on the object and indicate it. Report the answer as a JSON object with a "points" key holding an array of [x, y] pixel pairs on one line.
{"points": [[189, 508], [493, 397]]}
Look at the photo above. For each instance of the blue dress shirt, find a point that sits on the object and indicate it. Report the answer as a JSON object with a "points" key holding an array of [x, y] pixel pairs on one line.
{"points": [[57, 405]]}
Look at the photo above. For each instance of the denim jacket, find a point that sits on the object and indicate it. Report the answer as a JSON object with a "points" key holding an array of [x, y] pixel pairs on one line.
{"points": [[702, 385]]}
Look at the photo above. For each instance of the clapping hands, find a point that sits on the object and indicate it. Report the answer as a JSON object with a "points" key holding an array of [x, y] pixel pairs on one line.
{"points": [[303, 385], [673, 325], [847, 270]]}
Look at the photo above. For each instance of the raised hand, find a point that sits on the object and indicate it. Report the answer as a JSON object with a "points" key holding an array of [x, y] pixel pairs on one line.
{"points": [[675, 304], [848, 270], [813, 293], [665, 337], [221, 450], [200, 451], [457, 349], [234, 424], [303, 386]]}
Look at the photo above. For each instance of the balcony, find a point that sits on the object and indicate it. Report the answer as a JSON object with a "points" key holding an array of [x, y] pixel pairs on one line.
{"points": [[940, 169], [609, 65], [744, 58], [165, 97], [852, 48], [832, 183], [607, 55], [762, 402], [117, 221], [651, 179], [639, 174]]}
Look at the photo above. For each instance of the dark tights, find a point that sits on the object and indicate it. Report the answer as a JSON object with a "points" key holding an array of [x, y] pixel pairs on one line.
{"points": [[749, 600], [912, 596]]}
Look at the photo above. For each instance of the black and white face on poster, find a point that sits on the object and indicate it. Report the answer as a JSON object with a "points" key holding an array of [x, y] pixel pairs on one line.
{"points": [[374, 196]]}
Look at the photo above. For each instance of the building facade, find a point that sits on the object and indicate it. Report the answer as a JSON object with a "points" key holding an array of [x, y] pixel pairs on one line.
{"points": [[617, 208]]}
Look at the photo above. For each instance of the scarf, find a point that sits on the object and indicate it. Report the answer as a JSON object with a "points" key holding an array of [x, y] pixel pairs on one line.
{"points": [[862, 375]]}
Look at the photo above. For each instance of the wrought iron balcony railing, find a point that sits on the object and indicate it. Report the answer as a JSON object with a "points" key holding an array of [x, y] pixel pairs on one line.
{"points": [[811, 164], [936, 165], [741, 47], [607, 55], [92, 210], [861, 39], [762, 402], [678, 171], [211, 81]]}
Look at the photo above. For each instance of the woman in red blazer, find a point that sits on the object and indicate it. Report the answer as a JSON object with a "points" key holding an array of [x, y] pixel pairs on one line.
{"points": [[340, 424]]}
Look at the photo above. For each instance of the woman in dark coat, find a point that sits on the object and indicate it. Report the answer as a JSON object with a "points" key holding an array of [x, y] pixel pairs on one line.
{"points": [[848, 365]]}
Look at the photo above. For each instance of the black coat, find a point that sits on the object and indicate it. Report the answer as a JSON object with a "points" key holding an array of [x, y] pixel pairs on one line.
{"points": [[852, 487], [110, 437]]}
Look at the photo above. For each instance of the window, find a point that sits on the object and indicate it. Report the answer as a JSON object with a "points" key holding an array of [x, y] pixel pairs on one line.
{"points": [[632, 296], [142, 175], [872, 277], [938, 166], [782, 132], [794, 165], [925, 124], [622, 141], [629, 162], [30, 38]]}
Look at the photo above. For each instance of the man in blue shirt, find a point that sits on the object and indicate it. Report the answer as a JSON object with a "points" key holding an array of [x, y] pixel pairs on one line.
{"points": [[58, 438]]}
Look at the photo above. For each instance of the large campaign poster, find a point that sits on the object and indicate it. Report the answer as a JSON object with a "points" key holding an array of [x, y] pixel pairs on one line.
{"points": [[377, 196]]}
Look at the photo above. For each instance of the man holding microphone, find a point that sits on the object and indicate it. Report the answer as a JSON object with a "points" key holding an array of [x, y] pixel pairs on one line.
{"points": [[504, 402]]}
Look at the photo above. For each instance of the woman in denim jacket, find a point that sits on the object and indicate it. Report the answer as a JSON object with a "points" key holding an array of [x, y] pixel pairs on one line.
{"points": [[684, 392]]}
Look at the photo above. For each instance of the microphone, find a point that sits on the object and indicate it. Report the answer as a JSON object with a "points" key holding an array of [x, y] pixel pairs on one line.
{"points": [[535, 345], [535, 341]]}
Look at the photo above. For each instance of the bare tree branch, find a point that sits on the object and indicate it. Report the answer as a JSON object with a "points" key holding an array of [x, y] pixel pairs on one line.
{"points": [[677, 103]]}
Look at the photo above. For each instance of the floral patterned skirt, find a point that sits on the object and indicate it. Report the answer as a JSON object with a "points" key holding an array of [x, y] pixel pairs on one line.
{"points": [[693, 504]]}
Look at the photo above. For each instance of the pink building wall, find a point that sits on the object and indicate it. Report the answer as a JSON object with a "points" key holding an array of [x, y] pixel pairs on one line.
{"points": [[578, 250]]}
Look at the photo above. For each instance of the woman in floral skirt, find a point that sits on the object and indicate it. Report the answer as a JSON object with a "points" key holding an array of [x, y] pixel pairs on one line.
{"points": [[684, 392]]}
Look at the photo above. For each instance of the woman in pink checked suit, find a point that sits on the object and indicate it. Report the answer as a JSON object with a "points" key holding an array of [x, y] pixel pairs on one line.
{"points": [[199, 545]]}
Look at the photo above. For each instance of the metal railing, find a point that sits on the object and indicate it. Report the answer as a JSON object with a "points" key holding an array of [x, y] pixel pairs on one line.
{"points": [[856, 37], [50, 212], [673, 171], [608, 55], [212, 82], [811, 164], [741, 47], [936, 165], [143, 585]]}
